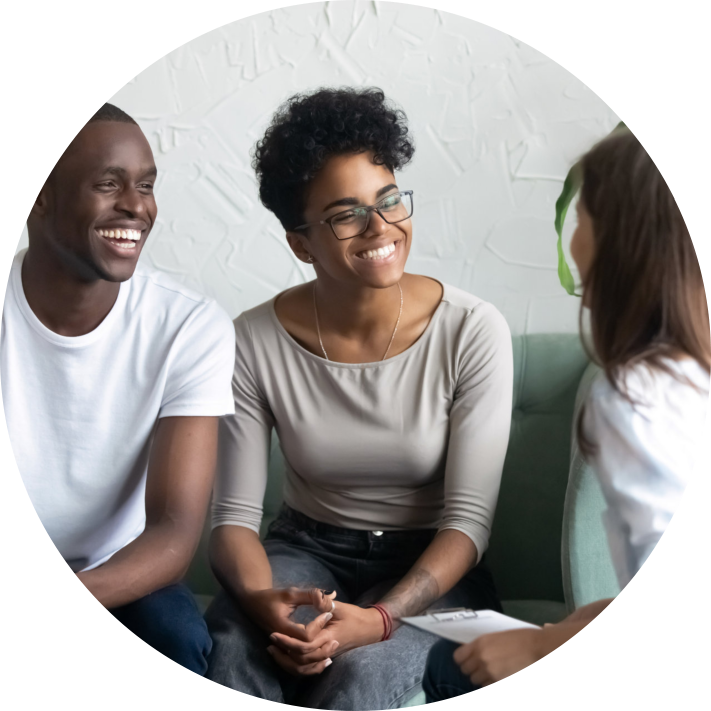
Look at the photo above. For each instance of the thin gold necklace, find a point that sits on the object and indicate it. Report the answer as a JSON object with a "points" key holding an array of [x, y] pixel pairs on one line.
{"points": [[392, 338]]}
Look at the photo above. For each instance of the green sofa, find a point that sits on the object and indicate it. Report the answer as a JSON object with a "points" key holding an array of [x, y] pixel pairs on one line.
{"points": [[548, 551]]}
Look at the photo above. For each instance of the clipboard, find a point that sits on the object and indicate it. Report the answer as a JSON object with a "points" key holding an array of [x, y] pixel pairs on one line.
{"points": [[463, 625]]}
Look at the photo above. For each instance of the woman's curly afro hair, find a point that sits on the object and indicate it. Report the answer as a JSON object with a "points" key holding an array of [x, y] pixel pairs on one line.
{"points": [[310, 128]]}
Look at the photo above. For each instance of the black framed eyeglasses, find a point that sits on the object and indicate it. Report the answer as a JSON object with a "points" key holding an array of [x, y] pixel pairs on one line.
{"points": [[350, 223]]}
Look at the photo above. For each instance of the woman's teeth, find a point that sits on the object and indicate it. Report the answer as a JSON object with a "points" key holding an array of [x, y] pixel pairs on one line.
{"points": [[380, 253], [132, 235]]}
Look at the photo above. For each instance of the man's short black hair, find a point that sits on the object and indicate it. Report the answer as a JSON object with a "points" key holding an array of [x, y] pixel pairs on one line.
{"points": [[310, 128], [109, 112]]}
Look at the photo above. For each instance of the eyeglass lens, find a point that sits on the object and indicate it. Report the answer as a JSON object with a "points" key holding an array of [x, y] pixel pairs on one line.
{"points": [[351, 223]]}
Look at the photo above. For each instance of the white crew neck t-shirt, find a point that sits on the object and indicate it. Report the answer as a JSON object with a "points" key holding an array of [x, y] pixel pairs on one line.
{"points": [[81, 411], [646, 453]]}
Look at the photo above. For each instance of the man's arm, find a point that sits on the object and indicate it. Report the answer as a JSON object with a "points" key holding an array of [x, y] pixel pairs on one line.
{"points": [[180, 472]]}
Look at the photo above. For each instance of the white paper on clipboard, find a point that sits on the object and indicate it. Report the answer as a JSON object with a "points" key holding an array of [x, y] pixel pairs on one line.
{"points": [[462, 625]]}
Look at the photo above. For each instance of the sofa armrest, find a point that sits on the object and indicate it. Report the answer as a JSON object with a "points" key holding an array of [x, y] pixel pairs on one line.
{"points": [[588, 573]]}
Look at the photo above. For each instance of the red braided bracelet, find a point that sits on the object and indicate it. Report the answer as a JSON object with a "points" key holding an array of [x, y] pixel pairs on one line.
{"points": [[387, 621]]}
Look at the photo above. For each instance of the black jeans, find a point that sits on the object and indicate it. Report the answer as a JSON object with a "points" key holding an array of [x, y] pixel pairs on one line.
{"points": [[443, 678], [361, 566]]}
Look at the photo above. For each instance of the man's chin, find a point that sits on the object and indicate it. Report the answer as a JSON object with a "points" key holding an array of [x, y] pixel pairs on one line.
{"points": [[118, 273], [113, 270]]}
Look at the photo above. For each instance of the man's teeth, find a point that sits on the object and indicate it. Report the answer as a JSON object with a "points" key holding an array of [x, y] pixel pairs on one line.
{"points": [[133, 235], [380, 253]]}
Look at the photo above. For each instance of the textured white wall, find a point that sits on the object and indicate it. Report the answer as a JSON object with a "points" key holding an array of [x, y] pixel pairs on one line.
{"points": [[496, 125]]}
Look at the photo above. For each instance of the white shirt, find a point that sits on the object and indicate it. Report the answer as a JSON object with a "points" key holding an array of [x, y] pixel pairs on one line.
{"points": [[645, 453], [414, 441], [81, 411]]}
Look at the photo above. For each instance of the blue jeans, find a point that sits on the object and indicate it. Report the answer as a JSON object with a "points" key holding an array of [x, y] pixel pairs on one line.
{"points": [[361, 566], [443, 678], [169, 621]]}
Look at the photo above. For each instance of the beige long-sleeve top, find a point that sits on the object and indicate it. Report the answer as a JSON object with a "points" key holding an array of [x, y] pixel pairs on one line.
{"points": [[415, 441]]}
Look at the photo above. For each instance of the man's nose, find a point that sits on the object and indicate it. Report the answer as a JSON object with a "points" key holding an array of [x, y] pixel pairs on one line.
{"points": [[130, 200]]}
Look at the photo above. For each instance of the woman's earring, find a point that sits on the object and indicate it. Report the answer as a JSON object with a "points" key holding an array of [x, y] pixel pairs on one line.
{"points": [[310, 260]]}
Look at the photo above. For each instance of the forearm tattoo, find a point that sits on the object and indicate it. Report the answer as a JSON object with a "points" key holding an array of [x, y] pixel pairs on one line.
{"points": [[413, 594]]}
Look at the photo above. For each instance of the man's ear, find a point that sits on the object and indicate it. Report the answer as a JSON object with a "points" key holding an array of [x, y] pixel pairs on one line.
{"points": [[41, 204], [299, 246]]}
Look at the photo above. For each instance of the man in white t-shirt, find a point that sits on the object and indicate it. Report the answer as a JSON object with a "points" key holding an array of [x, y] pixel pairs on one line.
{"points": [[113, 379]]}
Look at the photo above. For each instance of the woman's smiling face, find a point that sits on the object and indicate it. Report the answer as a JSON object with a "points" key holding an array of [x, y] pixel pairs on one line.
{"points": [[346, 181]]}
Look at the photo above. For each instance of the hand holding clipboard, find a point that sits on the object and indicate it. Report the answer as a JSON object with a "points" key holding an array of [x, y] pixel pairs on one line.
{"points": [[463, 625]]}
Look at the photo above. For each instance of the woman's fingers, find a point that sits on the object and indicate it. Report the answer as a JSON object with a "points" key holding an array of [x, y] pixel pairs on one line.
{"points": [[316, 626], [315, 668], [324, 600], [320, 655], [463, 652], [305, 633], [468, 657], [293, 629], [294, 667], [321, 600], [299, 646], [469, 665], [480, 678]]}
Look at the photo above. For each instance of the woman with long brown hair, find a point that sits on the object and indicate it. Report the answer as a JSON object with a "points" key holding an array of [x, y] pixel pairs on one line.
{"points": [[642, 421]]}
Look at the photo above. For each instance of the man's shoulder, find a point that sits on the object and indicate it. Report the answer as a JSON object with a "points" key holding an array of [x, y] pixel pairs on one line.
{"points": [[164, 296], [161, 286]]}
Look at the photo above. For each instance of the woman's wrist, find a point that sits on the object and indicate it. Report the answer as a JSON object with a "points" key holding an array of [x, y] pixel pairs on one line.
{"points": [[383, 622], [257, 603], [248, 596]]}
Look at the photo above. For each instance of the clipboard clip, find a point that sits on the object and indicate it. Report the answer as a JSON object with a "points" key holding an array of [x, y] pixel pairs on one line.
{"points": [[454, 614]]}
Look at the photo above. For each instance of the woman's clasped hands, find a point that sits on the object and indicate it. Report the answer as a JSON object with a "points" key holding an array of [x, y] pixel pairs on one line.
{"points": [[272, 609], [304, 650]]}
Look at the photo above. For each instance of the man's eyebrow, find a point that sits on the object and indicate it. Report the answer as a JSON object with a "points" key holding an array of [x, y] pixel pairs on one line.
{"points": [[354, 201], [118, 170]]}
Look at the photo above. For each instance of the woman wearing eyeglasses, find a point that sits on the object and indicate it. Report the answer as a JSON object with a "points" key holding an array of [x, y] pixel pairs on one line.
{"points": [[391, 397]]}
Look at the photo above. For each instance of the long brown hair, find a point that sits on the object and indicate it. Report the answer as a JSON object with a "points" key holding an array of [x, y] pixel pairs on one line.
{"points": [[644, 288]]}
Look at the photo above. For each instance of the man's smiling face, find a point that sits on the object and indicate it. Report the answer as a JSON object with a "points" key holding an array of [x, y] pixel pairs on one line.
{"points": [[97, 208]]}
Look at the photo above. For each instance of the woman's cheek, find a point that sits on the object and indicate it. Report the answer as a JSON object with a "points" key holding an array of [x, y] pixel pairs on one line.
{"points": [[574, 245]]}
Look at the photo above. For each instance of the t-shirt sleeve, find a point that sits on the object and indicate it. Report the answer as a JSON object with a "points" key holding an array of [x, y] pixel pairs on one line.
{"points": [[636, 460], [200, 366], [244, 441], [480, 423]]}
